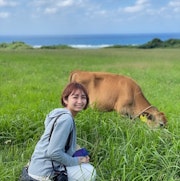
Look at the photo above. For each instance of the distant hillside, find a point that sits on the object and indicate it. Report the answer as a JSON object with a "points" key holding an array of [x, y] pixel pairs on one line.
{"points": [[22, 45], [157, 43], [15, 45]]}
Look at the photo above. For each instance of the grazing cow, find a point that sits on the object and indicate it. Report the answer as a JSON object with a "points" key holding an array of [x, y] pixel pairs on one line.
{"points": [[120, 93]]}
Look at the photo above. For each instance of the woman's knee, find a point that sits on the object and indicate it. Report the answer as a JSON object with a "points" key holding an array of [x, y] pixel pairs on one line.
{"points": [[83, 172]]}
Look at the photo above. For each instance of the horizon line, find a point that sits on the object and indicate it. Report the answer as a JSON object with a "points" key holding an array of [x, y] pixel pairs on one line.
{"points": [[86, 34]]}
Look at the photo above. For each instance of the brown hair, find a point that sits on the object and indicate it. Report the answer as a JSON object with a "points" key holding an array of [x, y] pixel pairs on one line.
{"points": [[73, 87]]}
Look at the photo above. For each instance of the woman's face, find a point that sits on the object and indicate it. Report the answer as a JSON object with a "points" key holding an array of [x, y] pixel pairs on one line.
{"points": [[76, 101]]}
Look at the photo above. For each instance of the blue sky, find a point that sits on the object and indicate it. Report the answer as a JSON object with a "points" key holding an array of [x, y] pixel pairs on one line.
{"points": [[57, 17]]}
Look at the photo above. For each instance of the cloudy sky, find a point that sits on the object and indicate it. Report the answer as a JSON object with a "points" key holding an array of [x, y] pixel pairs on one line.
{"points": [[41, 17]]}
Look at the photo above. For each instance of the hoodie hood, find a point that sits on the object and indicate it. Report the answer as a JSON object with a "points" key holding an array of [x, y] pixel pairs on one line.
{"points": [[54, 113]]}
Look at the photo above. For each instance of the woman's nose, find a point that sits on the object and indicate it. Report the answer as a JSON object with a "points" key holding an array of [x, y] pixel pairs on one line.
{"points": [[80, 100]]}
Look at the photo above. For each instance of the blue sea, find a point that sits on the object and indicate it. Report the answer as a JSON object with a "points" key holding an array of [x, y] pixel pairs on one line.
{"points": [[89, 41]]}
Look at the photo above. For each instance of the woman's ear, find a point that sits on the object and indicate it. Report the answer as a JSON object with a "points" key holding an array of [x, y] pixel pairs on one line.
{"points": [[65, 101]]}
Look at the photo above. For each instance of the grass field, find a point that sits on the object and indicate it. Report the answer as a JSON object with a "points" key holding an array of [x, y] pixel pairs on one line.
{"points": [[31, 82]]}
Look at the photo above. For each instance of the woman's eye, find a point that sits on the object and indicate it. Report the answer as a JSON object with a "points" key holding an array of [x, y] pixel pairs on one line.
{"points": [[76, 97]]}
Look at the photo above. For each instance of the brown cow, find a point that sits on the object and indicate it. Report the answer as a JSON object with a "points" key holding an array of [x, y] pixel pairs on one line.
{"points": [[117, 92]]}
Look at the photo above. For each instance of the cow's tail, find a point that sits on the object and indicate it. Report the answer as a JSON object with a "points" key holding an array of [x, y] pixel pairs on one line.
{"points": [[72, 76]]}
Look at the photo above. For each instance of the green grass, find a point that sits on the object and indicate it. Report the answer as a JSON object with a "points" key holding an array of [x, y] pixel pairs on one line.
{"points": [[31, 82]]}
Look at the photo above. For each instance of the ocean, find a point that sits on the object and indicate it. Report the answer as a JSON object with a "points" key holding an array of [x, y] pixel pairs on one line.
{"points": [[88, 41]]}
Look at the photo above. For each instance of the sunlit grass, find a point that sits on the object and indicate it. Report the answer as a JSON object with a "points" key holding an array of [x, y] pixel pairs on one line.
{"points": [[31, 84]]}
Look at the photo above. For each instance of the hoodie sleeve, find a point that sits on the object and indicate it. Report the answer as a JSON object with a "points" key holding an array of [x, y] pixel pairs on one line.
{"points": [[58, 141]]}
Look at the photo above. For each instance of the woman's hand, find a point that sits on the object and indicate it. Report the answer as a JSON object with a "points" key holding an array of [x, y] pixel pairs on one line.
{"points": [[83, 159]]}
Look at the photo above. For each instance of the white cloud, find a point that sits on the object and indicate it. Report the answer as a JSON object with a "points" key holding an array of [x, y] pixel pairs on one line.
{"points": [[4, 15], [65, 3], [50, 10], [55, 6], [175, 5], [171, 10], [55, 3], [102, 12], [38, 3], [138, 6], [7, 3], [2, 3]]}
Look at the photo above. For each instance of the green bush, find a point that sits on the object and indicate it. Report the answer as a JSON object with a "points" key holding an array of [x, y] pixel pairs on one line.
{"points": [[157, 43], [15, 45]]}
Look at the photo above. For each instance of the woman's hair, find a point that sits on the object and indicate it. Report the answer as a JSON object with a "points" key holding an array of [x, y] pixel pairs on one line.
{"points": [[71, 87]]}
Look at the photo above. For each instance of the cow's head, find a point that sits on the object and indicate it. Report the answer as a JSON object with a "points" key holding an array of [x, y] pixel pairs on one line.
{"points": [[154, 118]]}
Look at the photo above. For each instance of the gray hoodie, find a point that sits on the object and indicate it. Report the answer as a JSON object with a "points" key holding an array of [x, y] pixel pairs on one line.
{"points": [[46, 150]]}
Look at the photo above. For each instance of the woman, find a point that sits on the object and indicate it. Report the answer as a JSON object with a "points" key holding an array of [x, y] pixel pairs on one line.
{"points": [[56, 147]]}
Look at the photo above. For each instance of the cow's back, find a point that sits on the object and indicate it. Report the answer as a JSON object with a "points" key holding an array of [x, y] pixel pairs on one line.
{"points": [[106, 89]]}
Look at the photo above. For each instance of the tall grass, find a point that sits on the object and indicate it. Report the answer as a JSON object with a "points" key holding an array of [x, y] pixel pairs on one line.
{"points": [[31, 84]]}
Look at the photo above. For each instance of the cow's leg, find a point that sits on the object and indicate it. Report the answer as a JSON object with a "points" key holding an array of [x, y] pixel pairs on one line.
{"points": [[124, 107]]}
